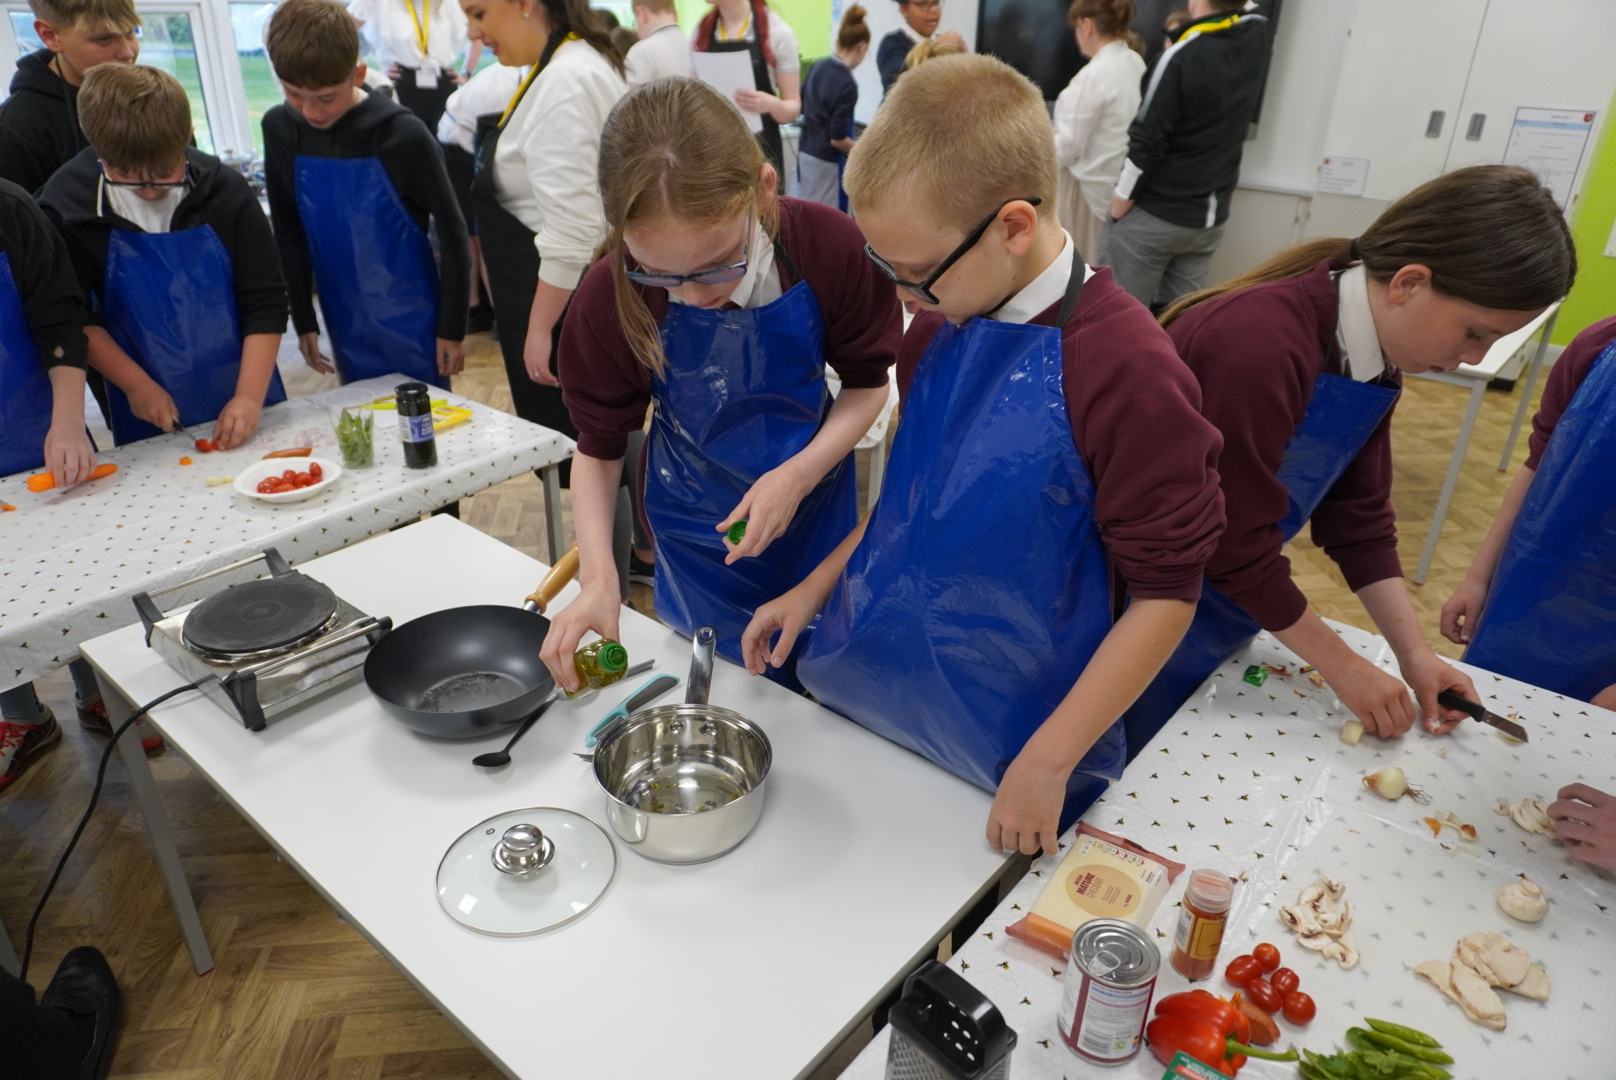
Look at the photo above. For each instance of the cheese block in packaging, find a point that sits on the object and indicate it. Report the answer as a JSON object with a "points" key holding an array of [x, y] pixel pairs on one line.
{"points": [[1102, 877]]}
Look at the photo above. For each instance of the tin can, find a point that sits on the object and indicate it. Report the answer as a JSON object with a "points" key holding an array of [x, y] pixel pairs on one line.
{"points": [[1109, 983]]}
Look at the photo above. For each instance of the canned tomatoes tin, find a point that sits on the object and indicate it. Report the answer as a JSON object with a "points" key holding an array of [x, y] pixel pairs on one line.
{"points": [[1108, 986]]}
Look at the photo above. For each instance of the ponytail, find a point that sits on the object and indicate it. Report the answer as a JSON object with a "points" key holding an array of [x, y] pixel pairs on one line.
{"points": [[853, 32], [760, 30], [1491, 235], [576, 17], [1112, 18]]}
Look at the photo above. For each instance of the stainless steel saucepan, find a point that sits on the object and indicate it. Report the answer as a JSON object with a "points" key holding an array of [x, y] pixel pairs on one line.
{"points": [[684, 783]]}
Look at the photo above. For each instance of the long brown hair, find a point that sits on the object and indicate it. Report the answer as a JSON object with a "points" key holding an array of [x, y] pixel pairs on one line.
{"points": [[576, 17], [674, 148], [760, 30], [1491, 235]]}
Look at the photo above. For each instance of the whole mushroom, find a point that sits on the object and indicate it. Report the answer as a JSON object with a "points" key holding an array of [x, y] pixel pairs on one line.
{"points": [[1523, 899]]}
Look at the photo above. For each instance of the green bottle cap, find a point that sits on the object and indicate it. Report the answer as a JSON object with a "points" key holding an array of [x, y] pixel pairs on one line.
{"points": [[737, 531], [612, 657]]}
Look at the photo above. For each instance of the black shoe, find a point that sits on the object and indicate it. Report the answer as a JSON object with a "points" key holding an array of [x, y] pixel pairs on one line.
{"points": [[641, 572], [84, 984], [480, 319]]}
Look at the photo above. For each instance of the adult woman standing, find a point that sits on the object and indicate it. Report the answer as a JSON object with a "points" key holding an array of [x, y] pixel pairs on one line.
{"points": [[749, 26], [418, 42], [538, 201], [1092, 116]]}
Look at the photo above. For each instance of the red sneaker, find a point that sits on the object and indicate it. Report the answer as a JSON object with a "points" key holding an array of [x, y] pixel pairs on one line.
{"points": [[20, 744], [93, 718]]}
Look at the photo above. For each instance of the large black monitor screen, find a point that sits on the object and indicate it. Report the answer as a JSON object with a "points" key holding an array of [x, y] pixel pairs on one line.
{"points": [[1034, 37]]}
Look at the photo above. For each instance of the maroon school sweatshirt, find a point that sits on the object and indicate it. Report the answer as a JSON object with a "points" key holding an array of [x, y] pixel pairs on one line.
{"points": [[1257, 353], [1135, 419], [1564, 379], [607, 389]]}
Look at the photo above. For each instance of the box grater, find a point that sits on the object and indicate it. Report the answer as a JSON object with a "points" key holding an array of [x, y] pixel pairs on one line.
{"points": [[944, 1029]]}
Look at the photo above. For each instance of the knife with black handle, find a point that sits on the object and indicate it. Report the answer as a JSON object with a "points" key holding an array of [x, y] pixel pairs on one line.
{"points": [[1449, 699]]}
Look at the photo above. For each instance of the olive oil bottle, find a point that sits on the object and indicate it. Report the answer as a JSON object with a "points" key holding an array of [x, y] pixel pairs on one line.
{"points": [[600, 663]]}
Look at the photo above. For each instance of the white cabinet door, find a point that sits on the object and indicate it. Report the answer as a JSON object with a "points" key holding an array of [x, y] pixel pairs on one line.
{"points": [[1556, 55], [1404, 63]]}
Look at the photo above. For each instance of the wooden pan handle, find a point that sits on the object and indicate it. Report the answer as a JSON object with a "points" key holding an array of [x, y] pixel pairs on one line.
{"points": [[565, 569]]}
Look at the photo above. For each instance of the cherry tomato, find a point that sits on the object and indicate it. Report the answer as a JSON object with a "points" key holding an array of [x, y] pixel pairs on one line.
{"points": [[289, 474], [1299, 1008], [315, 471], [1241, 970], [207, 446], [1267, 955], [265, 488], [1285, 980], [1263, 995]]}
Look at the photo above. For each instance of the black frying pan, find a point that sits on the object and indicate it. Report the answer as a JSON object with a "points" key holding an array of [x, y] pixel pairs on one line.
{"points": [[465, 672]]}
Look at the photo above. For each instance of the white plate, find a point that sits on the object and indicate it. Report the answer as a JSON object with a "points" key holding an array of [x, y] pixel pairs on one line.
{"points": [[247, 480]]}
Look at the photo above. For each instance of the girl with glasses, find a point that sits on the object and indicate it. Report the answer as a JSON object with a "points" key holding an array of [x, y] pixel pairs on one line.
{"points": [[721, 304], [920, 19]]}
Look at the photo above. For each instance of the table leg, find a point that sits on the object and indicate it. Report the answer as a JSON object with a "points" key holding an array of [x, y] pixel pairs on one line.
{"points": [[8, 955], [158, 829], [1459, 450], [1532, 373], [555, 535]]}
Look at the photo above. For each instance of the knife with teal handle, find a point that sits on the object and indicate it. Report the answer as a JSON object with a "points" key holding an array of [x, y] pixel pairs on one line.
{"points": [[636, 701]]}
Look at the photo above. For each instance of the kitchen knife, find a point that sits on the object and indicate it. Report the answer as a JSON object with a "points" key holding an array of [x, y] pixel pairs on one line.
{"points": [[634, 702], [587, 692], [1448, 699]]}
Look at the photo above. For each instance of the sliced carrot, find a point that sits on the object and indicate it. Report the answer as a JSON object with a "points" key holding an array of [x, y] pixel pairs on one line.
{"points": [[45, 481], [296, 451], [185, 461]]}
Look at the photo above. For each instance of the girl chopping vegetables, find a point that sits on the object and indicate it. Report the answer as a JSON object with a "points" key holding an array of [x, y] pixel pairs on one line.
{"points": [[720, 303], [1300, 363]]}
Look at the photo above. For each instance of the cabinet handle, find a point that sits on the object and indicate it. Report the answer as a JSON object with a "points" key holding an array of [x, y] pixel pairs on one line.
{"points": [[1477, 122], [1433, 126]]}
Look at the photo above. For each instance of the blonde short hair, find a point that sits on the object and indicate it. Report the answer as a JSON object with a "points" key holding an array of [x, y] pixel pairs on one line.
{"points": [[137, 118], [931, 50], [962, 133], [116, 15]]}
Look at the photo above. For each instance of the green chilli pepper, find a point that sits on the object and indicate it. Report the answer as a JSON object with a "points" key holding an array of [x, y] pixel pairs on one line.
{"points": [[1407, 1034]]}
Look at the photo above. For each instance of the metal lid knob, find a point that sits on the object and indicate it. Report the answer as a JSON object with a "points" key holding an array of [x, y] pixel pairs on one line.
{"points": [[522, 850]]}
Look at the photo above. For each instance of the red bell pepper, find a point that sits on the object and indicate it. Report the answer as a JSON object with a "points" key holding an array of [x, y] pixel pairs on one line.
{"points": [[1207, 1008], [1204, 1041]]}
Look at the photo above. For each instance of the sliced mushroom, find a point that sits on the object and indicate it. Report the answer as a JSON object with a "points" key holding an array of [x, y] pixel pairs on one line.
{"points": [[1523, 899], [1530, 814]]}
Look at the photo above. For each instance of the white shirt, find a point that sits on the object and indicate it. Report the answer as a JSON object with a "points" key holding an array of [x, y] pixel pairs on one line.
{"points": [[545, 166], [761, 285], [912, 34], [1091, 122], [1046, 289], [152, 215], [1355, 327], [663, 52], [395, 36], [782, 41], [488, 91]]}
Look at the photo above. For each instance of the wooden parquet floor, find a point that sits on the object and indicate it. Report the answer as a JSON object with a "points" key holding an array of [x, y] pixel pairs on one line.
{"points": [[299, 995]]}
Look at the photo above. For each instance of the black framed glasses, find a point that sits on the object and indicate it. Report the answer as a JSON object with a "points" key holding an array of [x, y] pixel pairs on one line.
{"points": [[154, 185], [718, 275], [922, 289]]}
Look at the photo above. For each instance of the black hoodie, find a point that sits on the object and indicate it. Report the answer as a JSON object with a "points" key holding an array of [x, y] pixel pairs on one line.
{"points": [[39, 123], [381, 128], [51, 301], [219, 197]]}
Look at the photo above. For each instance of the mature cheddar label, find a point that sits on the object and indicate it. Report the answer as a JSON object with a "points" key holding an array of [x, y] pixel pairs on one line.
{"points": [[1099, 880]]}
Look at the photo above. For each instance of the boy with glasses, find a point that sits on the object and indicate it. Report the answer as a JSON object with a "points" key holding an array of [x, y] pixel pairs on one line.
{"points": [[1051, 498], [187, 301], [39, 122]]}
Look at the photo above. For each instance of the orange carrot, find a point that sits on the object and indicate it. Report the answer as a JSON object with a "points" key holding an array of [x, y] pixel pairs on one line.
{"points": [[45, 481]]}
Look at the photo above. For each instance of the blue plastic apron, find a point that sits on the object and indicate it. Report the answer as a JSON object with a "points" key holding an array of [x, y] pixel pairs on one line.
{"points": [[981, 588], [743, 391], [170, 302], [373, 269], [1550, 618], [25, 390], [1340, 417]]}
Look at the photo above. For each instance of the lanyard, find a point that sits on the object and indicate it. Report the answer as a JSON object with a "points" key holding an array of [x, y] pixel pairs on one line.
{"points": [[540, 66], [746, 28], [422, 22]]}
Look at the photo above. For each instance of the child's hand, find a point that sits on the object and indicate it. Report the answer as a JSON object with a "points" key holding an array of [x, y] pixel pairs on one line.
{"points": [[788, 615], [768, 507], [152, 404], [309, 346], [1463, 608], [451, 357], [1377, 699], [237, 422], [1586, 819], [596, 609], [1026, 811], [69, 454], [1428, 675]]}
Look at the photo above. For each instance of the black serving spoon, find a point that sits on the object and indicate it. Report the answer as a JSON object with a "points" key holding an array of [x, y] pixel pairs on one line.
{"points": [[496, 758]]}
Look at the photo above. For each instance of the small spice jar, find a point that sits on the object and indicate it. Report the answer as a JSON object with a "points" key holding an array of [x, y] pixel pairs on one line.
{"points": [[1200, 927], [415, 425]]}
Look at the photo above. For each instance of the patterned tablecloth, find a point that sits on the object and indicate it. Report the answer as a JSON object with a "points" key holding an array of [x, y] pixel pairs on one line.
{"points": [[70, 561], [1256, 783]]}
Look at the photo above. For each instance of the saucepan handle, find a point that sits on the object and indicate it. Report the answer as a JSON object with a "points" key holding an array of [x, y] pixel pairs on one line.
{"points": [[565, 569], [701, 666]]}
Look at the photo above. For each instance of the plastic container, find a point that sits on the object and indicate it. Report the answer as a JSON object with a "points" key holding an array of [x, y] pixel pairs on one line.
{"points": [[1200, 928]]}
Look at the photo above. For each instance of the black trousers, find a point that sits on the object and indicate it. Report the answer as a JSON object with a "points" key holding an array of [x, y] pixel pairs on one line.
{"points": [[427, 104], [41, 1043]]}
